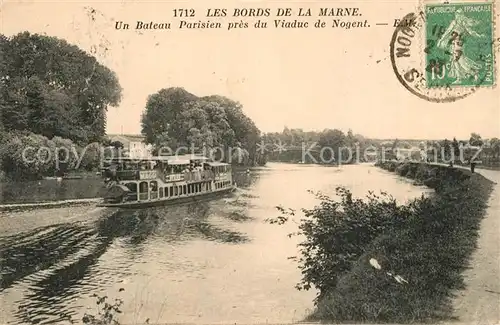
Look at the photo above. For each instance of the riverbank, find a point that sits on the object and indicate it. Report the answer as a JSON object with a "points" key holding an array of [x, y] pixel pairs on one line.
{"points": [[46, 205], [412, 269], [78, 188], [479, 303], [49, 191]]}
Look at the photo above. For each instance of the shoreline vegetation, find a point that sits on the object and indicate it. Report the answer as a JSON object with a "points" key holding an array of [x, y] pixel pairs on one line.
{"points": [[372, 260], [375, 260], [54, 98]]}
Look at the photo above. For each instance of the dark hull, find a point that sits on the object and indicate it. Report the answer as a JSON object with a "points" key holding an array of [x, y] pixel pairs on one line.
{"points": [[168, 201]]}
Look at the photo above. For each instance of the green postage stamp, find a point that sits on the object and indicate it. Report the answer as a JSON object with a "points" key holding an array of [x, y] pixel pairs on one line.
{"points": [[460, 49]]}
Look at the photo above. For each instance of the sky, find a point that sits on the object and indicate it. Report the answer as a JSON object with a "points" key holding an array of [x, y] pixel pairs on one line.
{"points": [[311, 79]]}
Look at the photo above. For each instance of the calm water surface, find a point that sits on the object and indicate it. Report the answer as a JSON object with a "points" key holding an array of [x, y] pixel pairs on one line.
{"points": [[210, 262]]}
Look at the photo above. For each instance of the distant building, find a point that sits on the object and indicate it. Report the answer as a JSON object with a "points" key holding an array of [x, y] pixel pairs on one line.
{"points": [[134, 145]]}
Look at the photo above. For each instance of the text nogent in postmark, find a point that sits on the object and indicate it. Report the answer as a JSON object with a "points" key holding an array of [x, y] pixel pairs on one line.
{"points": [[415, 57], [406, 52]]}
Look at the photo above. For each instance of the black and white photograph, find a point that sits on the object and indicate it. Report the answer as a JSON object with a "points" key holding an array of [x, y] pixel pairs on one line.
{"points": [[249, 162]]}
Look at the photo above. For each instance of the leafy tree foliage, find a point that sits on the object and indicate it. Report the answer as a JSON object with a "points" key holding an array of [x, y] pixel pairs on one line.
{"points": [[163, 109], [463, 150], [475, 140], [26, 155], [53, 88], [456, 147], [174, 118], [333, 139], [337, 232], [116, 144]]}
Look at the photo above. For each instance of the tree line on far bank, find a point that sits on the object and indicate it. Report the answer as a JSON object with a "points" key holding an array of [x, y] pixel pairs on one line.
{"points": [[291, 145], [487, 151]]}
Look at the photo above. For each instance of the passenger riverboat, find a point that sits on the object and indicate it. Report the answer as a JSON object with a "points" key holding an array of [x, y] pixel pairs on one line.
{"points": [[164, 180]]}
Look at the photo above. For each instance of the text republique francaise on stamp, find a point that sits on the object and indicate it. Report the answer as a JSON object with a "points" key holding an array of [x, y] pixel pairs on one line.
{"points": [[461, 36], [446, 51]]}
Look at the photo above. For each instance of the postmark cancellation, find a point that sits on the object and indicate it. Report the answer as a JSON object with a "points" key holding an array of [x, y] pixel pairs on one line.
{"points": [[445, 51]]}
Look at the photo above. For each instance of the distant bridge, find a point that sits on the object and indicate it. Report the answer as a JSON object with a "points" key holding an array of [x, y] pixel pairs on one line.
{"points": [[284, 148]]}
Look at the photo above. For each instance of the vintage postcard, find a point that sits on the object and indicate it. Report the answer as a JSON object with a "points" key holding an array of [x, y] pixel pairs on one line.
{"points": [[249, 162]]}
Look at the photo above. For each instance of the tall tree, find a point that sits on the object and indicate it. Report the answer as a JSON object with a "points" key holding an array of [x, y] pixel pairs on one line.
{"points": [[53, 88], [330, 142], [350, 138], [495, 145], [175, 117], [446, 149], [456, 148], [395, 144], [475, 140], [159, 120]]}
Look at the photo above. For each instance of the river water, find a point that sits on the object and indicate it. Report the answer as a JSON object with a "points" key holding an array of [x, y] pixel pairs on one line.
{"points": [[209, 262]]}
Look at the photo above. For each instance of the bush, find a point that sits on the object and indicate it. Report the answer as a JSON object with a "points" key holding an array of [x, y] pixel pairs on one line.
{"points": [[66, 156], [31, 156], [420, 248], [20, 158], [90, 156], [338, 232]]}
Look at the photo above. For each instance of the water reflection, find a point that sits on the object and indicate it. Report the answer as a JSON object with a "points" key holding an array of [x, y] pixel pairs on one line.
{"points": [[55, 265], [238, 216], [25, 254], [246, 180], [221, 249]]}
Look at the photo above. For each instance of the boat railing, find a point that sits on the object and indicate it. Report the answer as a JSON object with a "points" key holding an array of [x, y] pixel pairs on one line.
{"points": [[224, 175], [148, 174], [174, 177], [127, 175], [190, 176], [132, 175], [199, 175]]}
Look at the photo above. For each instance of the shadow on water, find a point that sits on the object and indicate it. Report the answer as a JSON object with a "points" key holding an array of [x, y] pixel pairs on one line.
{"points": [[30, 252], [246, 180], [54, 265], [238, 216], [186, 222]]}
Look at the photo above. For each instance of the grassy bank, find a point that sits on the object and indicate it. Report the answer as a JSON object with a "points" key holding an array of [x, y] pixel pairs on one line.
{"points": [[378, 261]]}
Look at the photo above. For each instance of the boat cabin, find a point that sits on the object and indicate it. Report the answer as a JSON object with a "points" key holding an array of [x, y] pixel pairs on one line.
{"points": [[165, 177]]}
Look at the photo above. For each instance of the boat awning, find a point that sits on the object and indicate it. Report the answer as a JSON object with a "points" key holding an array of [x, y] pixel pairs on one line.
{"points": [[215, 164], [179, 162], [191, 157], [173, 160]]}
